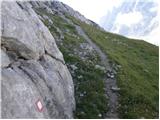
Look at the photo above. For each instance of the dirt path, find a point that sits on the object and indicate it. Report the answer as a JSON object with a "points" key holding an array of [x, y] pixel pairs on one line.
{"points": [[110, 82]]}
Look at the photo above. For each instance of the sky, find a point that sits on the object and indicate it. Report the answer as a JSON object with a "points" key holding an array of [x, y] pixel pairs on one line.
{"points": [[92, 9], [126, 18], [95, 10]]}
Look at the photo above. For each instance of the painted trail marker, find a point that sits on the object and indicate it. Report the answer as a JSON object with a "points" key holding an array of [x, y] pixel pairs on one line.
{"points": [[39, 105]]}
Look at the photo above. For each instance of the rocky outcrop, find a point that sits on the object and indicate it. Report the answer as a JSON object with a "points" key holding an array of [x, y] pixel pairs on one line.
{"points": [[33, 68], [57, 7], [63, 8]]}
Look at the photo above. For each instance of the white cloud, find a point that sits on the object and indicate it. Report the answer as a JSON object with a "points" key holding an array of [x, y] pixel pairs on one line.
{"points": [[129, 18], [152, 38]]}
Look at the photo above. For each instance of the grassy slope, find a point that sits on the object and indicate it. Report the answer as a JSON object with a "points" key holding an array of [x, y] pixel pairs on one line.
{"points": [[139, 74], [91, 84]]}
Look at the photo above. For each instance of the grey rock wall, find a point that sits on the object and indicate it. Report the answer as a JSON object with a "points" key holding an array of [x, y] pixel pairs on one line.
{"points": [[57, 6], [32, 67]]}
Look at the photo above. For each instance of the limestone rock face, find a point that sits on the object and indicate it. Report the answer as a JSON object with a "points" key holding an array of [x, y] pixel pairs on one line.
{"points": [[57, 6], [32, 67]]}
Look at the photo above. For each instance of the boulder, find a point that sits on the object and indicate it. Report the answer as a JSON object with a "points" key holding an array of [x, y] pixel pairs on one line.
{"points": [[110, 74], [115, 89], [100, 67]]}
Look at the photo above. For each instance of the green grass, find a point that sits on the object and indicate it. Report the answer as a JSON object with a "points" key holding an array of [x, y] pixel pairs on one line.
{"points": [[139, 74], [91, 83]]}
